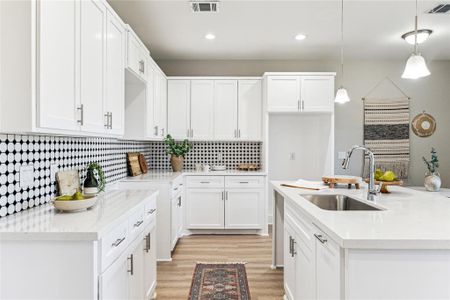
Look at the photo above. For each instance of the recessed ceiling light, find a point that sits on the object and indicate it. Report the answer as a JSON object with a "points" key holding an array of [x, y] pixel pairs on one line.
{"points": [[300, 37], [210, 36], [422, 36]]}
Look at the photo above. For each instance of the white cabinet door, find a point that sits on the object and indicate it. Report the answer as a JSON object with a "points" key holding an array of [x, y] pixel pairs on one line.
{"points": [[225, 109], [205, 209], [136, 56], [57, 74], [149, 264], [92, 65], [283, 93], [163, 105], [305, 270], [180, 215], [202, 109], [175, 221], [249, 109], [178, 102], [113, 283], [136, 273], [289, 261], [115, 75], [328, 268], [317, 93], [150, 123], [243, 208]]}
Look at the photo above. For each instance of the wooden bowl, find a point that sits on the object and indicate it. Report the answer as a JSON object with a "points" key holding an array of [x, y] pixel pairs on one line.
{"points": [[385, 184], [74, 205]]}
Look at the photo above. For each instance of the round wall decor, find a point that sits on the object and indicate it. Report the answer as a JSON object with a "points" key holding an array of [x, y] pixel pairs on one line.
{"points": [[423, 125]]}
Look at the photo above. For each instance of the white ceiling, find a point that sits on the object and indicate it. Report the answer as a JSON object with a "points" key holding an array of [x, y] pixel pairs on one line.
{"points": [[265, 29]]}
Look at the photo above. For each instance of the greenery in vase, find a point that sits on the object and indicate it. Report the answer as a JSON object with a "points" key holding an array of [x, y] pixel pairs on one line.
{"points": [[177, 149], [433, 163], [100, 174]]}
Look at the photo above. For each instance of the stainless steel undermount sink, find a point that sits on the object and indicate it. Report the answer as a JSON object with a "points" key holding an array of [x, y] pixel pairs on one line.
{"points": [[338, 202]]}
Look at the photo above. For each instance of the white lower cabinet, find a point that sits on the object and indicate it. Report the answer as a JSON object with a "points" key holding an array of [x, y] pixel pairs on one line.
{"points": [[149, 264], [242, 207], [205, 209], [312, 261], [177, 218], [222, 202]]}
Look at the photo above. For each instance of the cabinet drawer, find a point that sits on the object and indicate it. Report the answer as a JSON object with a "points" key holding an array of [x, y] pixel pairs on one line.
{"points": [[177, 186], [113, 243], [150, 210], [205, 181], [244, 181], [136, 223]]}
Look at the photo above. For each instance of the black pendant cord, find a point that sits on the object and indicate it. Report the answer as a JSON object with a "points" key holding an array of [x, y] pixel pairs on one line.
{"points": [[416, 50]]}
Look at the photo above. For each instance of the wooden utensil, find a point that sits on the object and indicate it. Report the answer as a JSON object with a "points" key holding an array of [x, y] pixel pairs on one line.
{"points": [[143, 163], [385, 184], [134, 168], [342, 179]]}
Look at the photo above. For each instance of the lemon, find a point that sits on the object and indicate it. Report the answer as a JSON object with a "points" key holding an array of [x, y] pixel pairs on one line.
{"points": [[378, 174], [64, 198], [388, 176], [78, 196]]}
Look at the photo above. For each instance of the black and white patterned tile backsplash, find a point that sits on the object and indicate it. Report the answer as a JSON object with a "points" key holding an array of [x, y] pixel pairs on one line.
{"points": [[67, 153], [230, 154]]}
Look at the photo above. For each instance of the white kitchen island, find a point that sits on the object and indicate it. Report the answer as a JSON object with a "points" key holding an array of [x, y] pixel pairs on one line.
{"points": [[399, 252], [106, 252]]}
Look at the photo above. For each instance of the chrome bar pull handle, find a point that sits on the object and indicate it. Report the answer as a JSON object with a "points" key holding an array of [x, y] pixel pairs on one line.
{"points": [[81, 110], [131, 270], [118, 242], [320, 238], [139, 223]]}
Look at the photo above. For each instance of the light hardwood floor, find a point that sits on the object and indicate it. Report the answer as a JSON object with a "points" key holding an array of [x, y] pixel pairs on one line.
{"points": [[174, 278]]}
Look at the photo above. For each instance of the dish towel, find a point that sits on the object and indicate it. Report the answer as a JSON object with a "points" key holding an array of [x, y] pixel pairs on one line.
{"points": [[386, 133]]}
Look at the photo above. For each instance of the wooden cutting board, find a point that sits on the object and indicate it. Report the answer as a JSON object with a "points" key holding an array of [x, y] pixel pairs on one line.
{"points": [[133, 164], [342, 179], [143, 163]]}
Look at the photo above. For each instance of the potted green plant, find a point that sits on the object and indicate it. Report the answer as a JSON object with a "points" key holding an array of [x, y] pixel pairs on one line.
{"points": [[432, 177], [177, 152], [95, 179]]}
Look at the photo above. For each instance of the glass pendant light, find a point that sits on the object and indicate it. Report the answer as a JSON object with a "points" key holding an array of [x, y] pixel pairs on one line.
{"points": [[416, 67], [341, 93]]}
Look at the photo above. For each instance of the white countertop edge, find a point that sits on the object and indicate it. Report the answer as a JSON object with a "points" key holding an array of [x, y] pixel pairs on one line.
{"points": [[379, 244], [94, 235]]}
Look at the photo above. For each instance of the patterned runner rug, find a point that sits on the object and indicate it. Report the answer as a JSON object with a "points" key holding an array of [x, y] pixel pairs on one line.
{"points": [[386, 133], [224, 281]]}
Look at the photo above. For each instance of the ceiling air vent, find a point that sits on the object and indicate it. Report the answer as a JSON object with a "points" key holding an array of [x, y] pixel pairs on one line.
{"points": [[440, 9], [204, 6]]}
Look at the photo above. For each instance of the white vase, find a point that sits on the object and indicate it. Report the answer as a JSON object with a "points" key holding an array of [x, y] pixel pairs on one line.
{"points": [[432, 182]]}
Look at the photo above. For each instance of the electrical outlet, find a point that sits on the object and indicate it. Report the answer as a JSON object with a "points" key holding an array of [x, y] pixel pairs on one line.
{"points": [[292, 156], [342, 155], [220, 156], [53, 170], [26, 174]]}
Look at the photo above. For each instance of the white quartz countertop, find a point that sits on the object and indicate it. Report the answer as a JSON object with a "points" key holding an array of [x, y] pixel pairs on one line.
{"points": [[46, 223], [167, 176], [410, 219]]}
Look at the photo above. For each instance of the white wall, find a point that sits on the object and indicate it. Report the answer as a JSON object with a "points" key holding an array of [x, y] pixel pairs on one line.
{"points": [[431, 94]]}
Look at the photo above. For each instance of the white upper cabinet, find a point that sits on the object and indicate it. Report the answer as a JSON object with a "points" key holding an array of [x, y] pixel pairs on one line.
{"points": [[159, 102], [115, 76], [317, 93], [178, 105], [56, 76], [300, 93], [249, 109], [136, 55], [202, 109], [283, 93], [225, 109], [215, 109], [74, 53], [92, 68]]}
